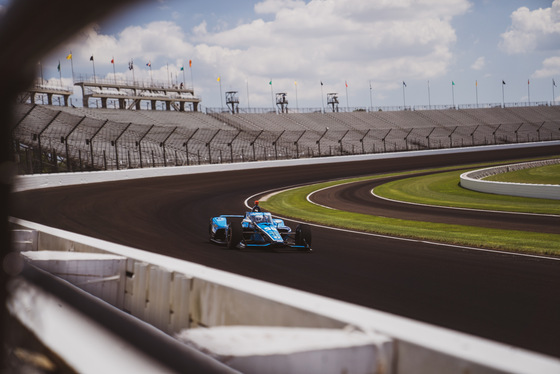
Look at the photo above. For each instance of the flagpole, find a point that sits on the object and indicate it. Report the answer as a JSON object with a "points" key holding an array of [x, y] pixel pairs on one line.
{"points": [[528, 91], [41, 68], [248, 106], [271, 95], [114, 72], [60, 74], [503, 96], [370, 98], [553, 85], [72, 66], [347, 106], [322, 99], [476, 91], [184, 80], [403, 95], [93, 63], [131, 67], [297, 106], [453, 93], [221, 99], [429, 98]]}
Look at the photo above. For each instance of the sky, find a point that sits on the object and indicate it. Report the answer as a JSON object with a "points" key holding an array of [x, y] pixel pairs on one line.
{"points": [[446, 51]]}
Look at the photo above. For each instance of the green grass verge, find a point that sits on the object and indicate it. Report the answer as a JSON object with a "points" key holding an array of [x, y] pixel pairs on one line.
{"points": [[443, 189], [293, 204], [549, 174]]}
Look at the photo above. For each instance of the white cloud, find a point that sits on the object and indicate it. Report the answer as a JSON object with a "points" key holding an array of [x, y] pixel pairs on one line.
{"points": [[479, 63], [533, 30], [550, 68]]}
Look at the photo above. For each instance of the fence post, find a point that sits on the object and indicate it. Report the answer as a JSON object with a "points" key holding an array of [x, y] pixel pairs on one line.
{"points": [[230, 145], [208, 145], [428, 137], [450, 137], [494, 133], [517, 133], [406, 138], [472, 134], [90, 142], [162, 144], [253, 145], [296, 143], [362, 141], [539, 131], [340, 141], [115, 144], [39, 140], [65, 141], [319, 141], [383, 140], [139, 144], [186, 145], [274, 143]]}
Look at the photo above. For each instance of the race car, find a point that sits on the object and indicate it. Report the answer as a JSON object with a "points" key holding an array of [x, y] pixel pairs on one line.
{"points": [[258, 229]]}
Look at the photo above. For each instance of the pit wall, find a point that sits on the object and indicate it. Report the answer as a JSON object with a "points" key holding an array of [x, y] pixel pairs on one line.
{"points": [[474, 180]]}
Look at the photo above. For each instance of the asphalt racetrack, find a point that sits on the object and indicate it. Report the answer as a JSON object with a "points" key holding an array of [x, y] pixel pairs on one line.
{"points": [[508, 298]]}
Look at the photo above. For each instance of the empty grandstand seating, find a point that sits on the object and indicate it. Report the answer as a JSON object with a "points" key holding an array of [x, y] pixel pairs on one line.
{"points": [[46, 136]]}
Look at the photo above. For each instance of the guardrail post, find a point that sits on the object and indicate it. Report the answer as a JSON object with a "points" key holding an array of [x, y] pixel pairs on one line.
{"points": [[340, 141], [494, 133], [428, 137]]}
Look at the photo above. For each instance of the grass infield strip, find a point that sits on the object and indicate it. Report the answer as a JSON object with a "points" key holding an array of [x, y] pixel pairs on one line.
{"points": [[293, 204]]}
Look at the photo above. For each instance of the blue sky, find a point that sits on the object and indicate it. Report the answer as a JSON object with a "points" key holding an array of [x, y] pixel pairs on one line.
{"points": [[358, 42]]}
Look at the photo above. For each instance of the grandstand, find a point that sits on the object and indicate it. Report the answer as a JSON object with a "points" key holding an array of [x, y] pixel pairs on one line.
{"points": [[51, 138]]}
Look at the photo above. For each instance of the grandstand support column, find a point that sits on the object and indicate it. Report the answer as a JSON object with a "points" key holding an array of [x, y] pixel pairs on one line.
{"points": [[104, 103], [362, 141], [385, 137], [208, 146], [139, 144], [472, 134], [152, 104], [451, 137], [539, 131], [296, 143], [517, 132], [162, 144], [122, 103], [275, 142], [318, 142], [90, 142], [252, 144], [39, 141], [340, 141], [230, 145], [186, 144], [406, 138], [65, 141], [115, 144]]}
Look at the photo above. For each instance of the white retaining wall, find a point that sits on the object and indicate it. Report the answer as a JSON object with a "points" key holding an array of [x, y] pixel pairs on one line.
{"points": [[474, 180]]}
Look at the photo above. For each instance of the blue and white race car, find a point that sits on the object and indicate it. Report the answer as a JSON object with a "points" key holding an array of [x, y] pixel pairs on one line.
{"points": [[258, 229]]}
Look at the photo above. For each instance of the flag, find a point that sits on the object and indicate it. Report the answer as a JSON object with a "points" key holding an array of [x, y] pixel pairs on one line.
{"points": [[219, 79], [58, 67], [190, 63], [295, 83], [270, 82], [69, 57], [528, 81], [503, 82], [91, 58], [113, 60], [476, 83], [149, 64], [321, 83], [452, 83], [130, 65], [553, 82], [346, 84], [404, 84], [182, 69]]}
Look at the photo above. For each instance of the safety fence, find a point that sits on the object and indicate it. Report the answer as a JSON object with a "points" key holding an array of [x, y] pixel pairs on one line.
{"points": [[60, 139]]}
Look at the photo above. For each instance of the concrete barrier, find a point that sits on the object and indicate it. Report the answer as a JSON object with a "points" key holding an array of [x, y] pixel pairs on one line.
{"points": [[176, 296], [474, 180]]}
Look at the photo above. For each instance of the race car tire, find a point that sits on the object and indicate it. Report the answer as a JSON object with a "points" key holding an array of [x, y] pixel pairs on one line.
{"points": [[303, 235], [234, 235]]}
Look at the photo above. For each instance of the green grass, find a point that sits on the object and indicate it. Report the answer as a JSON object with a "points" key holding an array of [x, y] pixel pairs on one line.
{"points": [[293, 204], [549, 174], [443, 189]]}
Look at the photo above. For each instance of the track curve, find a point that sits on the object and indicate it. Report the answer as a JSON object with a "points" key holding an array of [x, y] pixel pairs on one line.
{"points": [[498, 296], [357, 197]]}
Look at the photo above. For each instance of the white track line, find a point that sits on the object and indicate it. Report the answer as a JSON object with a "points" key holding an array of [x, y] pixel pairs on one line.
{"points": [[273, 192]]}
